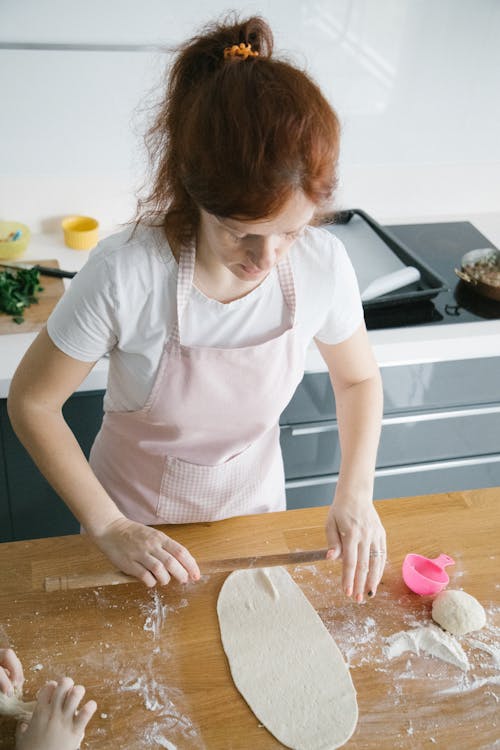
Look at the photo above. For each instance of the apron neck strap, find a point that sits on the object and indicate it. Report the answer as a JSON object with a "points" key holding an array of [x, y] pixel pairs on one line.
{"points": [[185, 277]]}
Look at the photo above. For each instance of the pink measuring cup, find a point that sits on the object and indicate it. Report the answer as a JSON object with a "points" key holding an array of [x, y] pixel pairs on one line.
{"points": [[425, 576]]}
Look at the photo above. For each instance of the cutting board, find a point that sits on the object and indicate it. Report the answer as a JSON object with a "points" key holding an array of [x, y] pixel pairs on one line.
{"points": [[36, 315]]}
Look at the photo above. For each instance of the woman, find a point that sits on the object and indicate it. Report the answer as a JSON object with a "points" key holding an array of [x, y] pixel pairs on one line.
{"points": [[206, 310]]}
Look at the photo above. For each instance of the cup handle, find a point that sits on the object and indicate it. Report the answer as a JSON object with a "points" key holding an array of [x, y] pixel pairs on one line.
{"points": [[443, 560]]}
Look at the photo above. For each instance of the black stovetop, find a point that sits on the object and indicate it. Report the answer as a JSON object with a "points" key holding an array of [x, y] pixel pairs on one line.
{"points": [[441, 246]]}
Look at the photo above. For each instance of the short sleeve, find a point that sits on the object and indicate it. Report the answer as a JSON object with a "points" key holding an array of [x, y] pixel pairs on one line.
{"points": [[346, 311], [83, 323]]}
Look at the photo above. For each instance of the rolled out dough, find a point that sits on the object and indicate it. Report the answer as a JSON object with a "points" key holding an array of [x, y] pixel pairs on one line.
{"points": [[11, 705], [284, 661]]}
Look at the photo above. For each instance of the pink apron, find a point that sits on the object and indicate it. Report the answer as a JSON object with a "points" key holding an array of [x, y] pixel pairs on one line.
{"points": [[205, 446]]}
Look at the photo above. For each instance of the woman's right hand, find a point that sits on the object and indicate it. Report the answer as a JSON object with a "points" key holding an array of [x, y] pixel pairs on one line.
{"points": [[146, 553]]}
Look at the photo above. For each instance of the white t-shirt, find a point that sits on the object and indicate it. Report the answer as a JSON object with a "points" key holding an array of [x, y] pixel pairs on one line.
{"points": [[123, 302]]}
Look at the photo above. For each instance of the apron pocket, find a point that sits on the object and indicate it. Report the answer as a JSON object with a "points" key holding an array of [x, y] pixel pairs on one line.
{"points": [[192, 493]]}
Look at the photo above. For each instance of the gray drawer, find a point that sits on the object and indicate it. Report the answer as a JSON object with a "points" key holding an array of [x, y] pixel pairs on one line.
{"points": [[433, 385], [419, 479], [313, 449]]}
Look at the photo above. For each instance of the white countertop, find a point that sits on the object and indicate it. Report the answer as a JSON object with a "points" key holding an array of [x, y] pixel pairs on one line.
{"points": [[392, 347]]}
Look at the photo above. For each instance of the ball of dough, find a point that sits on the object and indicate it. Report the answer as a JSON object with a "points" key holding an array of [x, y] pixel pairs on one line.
{"points": [[458, 612]]}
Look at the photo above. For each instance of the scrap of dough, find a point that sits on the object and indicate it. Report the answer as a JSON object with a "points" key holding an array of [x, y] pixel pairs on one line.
{"points": [[11, 705], [284, 661], [430, 639]]}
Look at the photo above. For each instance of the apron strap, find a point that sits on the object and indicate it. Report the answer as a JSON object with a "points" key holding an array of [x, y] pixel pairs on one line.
{"points": [[185, 275], [285, 276]]}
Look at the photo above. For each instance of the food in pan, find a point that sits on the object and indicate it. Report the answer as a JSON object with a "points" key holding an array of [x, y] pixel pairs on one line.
{"points": [[485, 269]]}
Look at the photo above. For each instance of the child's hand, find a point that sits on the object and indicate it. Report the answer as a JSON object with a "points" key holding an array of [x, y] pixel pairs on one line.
{"points": [[11, 672], [146, 553], [58, 722]]}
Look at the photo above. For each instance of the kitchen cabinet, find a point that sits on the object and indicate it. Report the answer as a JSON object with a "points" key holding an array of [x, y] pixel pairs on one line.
{"points": [[5, 522], [29, 507], [441, 433]]}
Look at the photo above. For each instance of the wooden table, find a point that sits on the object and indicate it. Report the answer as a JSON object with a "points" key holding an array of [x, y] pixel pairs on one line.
{"points": [[154, 662]]}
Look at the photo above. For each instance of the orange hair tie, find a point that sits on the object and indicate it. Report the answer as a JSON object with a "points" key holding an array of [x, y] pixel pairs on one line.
{"points": [[240, 50]]}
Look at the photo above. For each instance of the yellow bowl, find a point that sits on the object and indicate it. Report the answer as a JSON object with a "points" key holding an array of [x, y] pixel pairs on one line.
{"points": [[8, 249], [80, 232]]}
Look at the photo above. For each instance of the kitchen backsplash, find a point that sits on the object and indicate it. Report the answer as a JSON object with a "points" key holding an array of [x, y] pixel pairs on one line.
{"points": [[415, 84]]}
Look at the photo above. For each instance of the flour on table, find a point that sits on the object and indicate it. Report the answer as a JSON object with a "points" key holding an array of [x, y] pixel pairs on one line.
{"points": [[284, 661], [163, 700], [155, 738], [493, 651], [156, 613], [430, 639]]}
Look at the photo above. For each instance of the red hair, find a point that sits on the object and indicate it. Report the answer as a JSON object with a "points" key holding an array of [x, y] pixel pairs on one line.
{"points": [[236, 136]]}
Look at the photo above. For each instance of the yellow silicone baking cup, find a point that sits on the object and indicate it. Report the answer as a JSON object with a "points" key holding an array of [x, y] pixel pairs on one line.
{"points": [[80, 232]]}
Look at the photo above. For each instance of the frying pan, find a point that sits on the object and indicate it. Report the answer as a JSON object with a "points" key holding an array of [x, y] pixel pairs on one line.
{"points": [[490, 288]]}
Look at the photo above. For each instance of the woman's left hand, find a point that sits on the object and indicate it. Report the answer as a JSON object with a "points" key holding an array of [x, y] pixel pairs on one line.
{"points": [[355, 533]]}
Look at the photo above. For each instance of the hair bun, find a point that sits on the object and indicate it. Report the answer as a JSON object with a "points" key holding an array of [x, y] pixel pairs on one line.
{"points": [[257, 33]]}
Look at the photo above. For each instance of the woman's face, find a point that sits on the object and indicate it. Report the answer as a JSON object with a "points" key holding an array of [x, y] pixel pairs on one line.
{"points": [[250, 249]]}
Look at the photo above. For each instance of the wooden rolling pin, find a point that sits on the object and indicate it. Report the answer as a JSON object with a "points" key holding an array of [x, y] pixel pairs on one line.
{"points": [[114, 577]]}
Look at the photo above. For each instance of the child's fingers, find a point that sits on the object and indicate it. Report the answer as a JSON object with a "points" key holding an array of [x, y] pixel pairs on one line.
{"points": [[46, 692], [60, 691], [84, 715], [73, 698], [6, 685], [12, 666]]}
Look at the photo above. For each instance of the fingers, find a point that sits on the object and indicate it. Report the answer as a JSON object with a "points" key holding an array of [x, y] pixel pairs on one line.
{"points": [[368, 570], [172, 560], [361, 572], [156, 562], [11, 676], [72, 699], [84, 715], [44, 699], [349, 558], [378, 557], [45, 693], [334, 543], [59, 701], [61, 690], [147, 553], [363, 568], [358, 531], [184, 557], [142, 574], [6, 685]]}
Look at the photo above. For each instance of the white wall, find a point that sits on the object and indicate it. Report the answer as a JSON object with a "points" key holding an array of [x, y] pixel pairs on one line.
{"points": [[416, 84]]}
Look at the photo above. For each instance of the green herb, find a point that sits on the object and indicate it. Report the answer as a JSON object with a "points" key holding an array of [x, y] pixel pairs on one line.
{"points": [[17, 291]]}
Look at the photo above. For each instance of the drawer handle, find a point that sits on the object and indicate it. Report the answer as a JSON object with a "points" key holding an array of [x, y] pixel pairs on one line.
{"points": [[401, 470], [297, 431], [433, 416], [430, 416]]}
